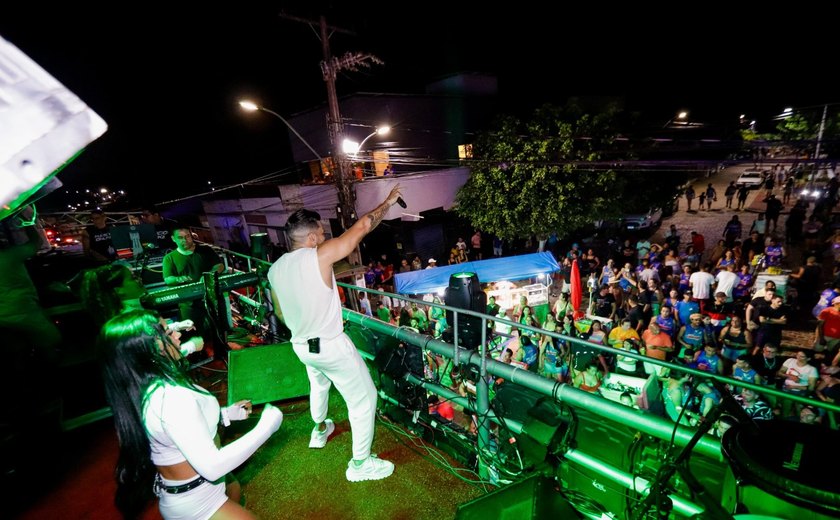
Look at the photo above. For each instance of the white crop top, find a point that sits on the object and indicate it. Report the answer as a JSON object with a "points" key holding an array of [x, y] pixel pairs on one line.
{"points": [[310, 308], [181, 424]]}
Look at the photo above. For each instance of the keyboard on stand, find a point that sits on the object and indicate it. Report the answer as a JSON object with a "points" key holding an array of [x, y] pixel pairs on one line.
{"points": [[195, 291]]}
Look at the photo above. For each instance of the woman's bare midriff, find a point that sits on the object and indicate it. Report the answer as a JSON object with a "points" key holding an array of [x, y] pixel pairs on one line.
{"points": [[180, 471]]}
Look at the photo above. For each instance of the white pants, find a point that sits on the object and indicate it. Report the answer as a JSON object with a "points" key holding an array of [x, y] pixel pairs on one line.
{"points": [[196, 504], [339, 363]]}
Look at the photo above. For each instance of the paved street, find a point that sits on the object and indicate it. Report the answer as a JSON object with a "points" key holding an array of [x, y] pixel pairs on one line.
{"points": [[710, 223]]}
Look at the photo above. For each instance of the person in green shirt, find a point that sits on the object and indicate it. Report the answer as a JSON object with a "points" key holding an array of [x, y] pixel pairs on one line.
{"points": [[383, 312]]}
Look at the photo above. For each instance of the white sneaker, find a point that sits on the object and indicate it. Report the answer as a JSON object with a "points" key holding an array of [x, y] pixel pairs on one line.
{"points": [[319, 439], [373, 468]]}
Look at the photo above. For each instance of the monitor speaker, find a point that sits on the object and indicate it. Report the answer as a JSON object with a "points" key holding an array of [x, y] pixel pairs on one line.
{"points": [[589, 491], [785, 460], [542, 431], [594, 495], [531, 498], [464, 292], [267, 373], [513, 401]]}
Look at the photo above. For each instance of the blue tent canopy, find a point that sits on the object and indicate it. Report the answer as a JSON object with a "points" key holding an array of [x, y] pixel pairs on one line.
{"points": [[494, 270]]}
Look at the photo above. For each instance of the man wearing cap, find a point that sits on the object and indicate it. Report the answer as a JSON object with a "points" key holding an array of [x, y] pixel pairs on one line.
{"points": [[827, 335], [432, 263], [719, 311], [686, 308], [690, 338]]}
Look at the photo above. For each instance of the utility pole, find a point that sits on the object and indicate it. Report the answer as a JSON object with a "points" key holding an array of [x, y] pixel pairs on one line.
{"points": [[819, 142], [330, 67]]}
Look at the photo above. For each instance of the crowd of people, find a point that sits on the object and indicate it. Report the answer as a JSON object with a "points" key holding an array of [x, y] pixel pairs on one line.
{"points": [[684, 304]]}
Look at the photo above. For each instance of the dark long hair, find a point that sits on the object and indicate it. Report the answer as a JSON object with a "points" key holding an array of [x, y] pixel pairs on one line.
{"points": [[132, 362], [98, 291]]}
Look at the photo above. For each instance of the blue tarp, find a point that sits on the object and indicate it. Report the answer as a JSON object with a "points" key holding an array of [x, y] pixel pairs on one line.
{"points": [[494, 270]]}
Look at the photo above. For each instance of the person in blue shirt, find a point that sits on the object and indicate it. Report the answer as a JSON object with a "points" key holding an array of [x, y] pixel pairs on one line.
{"points": [[528, 353], [686, 308]]}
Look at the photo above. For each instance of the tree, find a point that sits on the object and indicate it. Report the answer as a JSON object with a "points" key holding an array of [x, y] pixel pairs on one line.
{"points": [[532, 177]]}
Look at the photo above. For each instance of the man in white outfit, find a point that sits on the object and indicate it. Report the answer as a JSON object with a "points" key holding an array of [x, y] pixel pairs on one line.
{"points": [[306, 299]]}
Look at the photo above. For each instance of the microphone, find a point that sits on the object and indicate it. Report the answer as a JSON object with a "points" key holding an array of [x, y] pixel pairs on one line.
{"points": [[401, 202]]}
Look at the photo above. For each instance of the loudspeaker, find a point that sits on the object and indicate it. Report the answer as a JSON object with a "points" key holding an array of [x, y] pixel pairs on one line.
{"points": [[532, 498], [789, 461], [591, 493], [393, 363], [609, 442], [513, 401], [464, 292], [542, 431], [259, 245], [267, 373]]}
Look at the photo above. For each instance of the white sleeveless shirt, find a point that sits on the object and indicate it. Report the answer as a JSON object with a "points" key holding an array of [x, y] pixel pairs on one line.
{"points": [[310, 308]]}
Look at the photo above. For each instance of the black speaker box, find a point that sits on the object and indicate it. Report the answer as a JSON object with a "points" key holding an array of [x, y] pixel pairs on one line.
{"points": [[542, 431], [267, 373], [532, 498], [513, 401], [602, 438], [592, 494], [466, 293], [608, 441]]}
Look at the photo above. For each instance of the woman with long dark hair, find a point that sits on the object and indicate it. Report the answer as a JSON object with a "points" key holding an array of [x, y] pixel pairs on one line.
{"points": [[113, 289], [166, 425]]}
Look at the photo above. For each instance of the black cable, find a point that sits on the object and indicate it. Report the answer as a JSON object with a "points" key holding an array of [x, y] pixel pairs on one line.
{"points": [[691, 394]]}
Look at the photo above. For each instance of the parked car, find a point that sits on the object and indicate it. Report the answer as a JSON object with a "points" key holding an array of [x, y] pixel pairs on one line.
{"points": [[673, 204], [753, 179], [642, 221]]}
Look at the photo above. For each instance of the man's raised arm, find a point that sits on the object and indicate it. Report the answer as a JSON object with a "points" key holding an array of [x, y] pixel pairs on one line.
{"points": [[340, 247]]}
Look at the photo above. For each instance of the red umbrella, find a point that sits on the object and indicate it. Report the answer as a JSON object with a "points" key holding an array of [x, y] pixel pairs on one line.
{"points": [[577, 290]]}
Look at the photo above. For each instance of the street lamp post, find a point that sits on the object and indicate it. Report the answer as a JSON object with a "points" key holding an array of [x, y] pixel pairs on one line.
{"points": [[353, 148], [681, 116], [250, 106], [346, 206]]}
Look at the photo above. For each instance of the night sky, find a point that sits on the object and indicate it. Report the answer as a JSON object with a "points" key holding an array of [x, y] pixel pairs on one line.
{"points": [[166, 78]]}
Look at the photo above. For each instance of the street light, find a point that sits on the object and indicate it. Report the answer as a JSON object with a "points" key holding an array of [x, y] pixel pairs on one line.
{"points": [[250, 106], [681, 117], [353, 148]]}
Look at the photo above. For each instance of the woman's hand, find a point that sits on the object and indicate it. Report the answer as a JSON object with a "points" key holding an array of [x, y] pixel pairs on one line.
{"points": [[273, 414], [180, 326], [197, 343], [238, 411]]}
